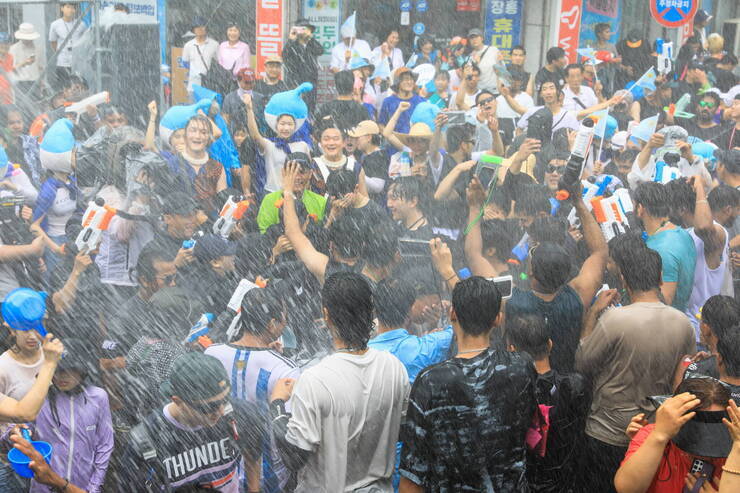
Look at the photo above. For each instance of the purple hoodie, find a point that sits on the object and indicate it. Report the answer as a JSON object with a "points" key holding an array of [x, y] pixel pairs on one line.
{"points": [[82, 442]]}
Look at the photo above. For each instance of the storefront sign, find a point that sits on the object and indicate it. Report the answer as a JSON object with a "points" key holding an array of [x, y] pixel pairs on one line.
{"points": [[673, 13], [503, 24], [326, 16], [269, 31], [468, 5], [569, 26]]}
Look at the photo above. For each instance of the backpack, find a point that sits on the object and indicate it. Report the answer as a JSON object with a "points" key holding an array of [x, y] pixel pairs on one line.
{"points": [[217, 78]]}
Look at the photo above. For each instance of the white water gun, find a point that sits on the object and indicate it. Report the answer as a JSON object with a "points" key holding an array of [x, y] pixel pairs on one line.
{"points": [[612, 213], [96, 220], [665, 56], [81, 106], [232, 212]]}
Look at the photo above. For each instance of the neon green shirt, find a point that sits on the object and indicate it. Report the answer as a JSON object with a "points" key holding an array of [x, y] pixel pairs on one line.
{"points": [[269, 214]]}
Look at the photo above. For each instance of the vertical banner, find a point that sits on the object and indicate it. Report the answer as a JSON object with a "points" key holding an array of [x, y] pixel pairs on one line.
{"points": [[569, 26], [269, 31], [503, 25], [599, 11], [467, 5], [326, 15]]}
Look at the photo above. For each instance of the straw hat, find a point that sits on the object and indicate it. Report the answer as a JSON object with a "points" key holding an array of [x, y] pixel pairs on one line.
{"points": [[26, 32], [417, 131]]}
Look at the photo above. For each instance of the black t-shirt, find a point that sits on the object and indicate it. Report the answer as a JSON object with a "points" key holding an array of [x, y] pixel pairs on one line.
{"points": [[376, 164], [466, 423], [268, 90], [543, 75], [694, 130], [345, 114], [725, 80], [727, 136]]}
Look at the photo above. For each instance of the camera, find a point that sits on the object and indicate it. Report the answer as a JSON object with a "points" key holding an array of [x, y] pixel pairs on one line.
{"points": [[13, 229], [671, 158]]}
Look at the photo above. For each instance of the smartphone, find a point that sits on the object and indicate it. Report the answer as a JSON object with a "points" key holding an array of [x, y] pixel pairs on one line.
{"points": [[486, 172], [705, 470], [504, 284], [455, 117], [411, 247]]}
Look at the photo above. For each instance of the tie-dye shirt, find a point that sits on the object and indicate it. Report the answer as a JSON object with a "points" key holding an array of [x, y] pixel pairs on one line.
{"points": [[466, 424]]}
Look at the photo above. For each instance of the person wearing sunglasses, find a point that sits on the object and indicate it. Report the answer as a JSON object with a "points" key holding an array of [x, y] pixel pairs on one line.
{"points": [[200, 436], [705, 108]]}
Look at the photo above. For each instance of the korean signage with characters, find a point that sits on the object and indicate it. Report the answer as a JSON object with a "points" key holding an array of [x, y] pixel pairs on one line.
{"points": [[269, 31], [326, 16], [503, 24], [673, 13]]}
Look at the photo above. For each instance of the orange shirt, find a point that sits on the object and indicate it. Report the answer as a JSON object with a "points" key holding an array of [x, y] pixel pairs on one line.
{"points": [[6, 89]]}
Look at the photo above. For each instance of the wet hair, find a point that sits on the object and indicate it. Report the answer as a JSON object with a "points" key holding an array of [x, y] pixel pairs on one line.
{"points": [[388, 32], [5, 112], [548, 228], [621, 247], [474, 66], [483, 92], [531, 200], [260, 306], [201, 120], [551, 266], [457, 134], [145, 263], [109, 109], [709, 94], [494, 234], [601, 27], [528, 333], [381, 244], [341, 182], [421, 277], [572, 66], [642, 270], [708, 390], [348, 299], [653, 197], [626, 155], [347, 236], [408, 188], [728, 346], [720, 313], [723, 196], [444, 74], [393, 301], [424, 39], [344, 81], [681, 197], [477, 303], [519, 47], [330, 124], [554, 53]]}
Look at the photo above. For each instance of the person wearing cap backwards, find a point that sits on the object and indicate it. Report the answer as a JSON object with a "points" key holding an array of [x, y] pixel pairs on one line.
{"points": [[27, 58], [688, 441], [485, 57], [301, 54], [269, 212], [404, 91], [198, 53], [341, 432], [200, 437], [234, 54], [67, 31], [272, 82]]}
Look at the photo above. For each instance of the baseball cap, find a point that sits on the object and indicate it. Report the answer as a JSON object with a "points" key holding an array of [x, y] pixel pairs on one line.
{"points": [[303, 159], [198, 21], [475, 32], [211, 247], [274, 59], [178, 203], [366, 127], [702, 16], [246, 74], [195, 377], [24, 309], [730, 158]]}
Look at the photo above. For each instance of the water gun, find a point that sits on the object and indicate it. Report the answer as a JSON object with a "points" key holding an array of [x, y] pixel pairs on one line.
{"points": [[200, 329], [604, 56], [81, 106], [665, 173], [232, 211], [591, 189], [521, 249], [235, 302], [665, 56], [96, 220], [577, 158], [679, 108], [188, 244], [612, 213]]}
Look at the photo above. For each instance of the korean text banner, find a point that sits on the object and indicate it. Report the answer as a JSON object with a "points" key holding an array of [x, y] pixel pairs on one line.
{"points": [[269, 31], [503, 24]]}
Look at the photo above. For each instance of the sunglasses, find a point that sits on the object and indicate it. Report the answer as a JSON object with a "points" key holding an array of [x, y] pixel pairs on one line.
{"points": [[554, 168], [707, 104], [168, 280], [486, 101], [208, 407]]}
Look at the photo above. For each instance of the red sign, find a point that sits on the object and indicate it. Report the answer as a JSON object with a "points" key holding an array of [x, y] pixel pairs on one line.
{"points": [[569, 27], [673, 13], [468, 5], [269, 31]]}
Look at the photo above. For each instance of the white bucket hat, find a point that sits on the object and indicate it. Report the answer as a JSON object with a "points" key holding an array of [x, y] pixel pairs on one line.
{"points": [[26, 32]]}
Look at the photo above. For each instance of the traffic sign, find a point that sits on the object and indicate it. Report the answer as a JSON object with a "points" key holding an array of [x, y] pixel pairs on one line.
{"points": [[419, 28], [421, 6], [405, 5], [673, 13]]}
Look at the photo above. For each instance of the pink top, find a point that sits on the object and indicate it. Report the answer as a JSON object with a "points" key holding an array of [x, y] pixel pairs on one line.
{"points": [[236, 56]]}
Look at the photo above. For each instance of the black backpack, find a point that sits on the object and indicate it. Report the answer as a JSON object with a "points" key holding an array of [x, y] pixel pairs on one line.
{"points": [[217, 78]]}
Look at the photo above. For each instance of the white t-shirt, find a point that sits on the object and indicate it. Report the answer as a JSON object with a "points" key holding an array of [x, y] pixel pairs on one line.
{"points": [[396, 58], [16, 378], [360, 48], [455, 80], [469, 100], [503, 110], [564, 119], [347, 410], [274, 161], [585, 95], [58, 32], [489, 57], [22, 52], [190, 55]]}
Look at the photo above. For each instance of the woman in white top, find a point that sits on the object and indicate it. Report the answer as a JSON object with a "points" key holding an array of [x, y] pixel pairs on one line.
{"points": [[389, 49], [234, 54]]}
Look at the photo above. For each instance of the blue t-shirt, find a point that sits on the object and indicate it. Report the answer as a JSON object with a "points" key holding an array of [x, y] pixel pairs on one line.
{"points": [[676, 249], [404, 120], [415, 352]]}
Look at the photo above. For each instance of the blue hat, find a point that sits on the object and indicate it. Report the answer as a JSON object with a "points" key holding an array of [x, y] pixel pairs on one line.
{"points": [[211, 247], [24, 308], [177, 117], [425, 112], [200, 93], [611, 127], [57, 146], [359, 62], [705, 150], [288, 103]]}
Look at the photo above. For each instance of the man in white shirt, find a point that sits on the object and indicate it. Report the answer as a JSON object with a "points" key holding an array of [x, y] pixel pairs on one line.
{"points": [[464, 98], [26, 57], [59, 31], [485, 57], [512, 103], [344, 51], [552, 95], [198, 53], [577, 96], [346, 410]]}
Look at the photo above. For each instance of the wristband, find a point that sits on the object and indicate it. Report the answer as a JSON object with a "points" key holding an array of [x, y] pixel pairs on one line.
{"points": [[451, 277], [702, 201]]}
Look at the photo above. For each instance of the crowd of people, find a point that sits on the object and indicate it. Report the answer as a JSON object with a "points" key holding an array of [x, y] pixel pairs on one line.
{"points": [[412, 286]]}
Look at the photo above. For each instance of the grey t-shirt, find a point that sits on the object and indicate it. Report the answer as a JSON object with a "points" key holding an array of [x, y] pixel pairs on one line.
{"points": [[16, 379], [631, 354]]}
